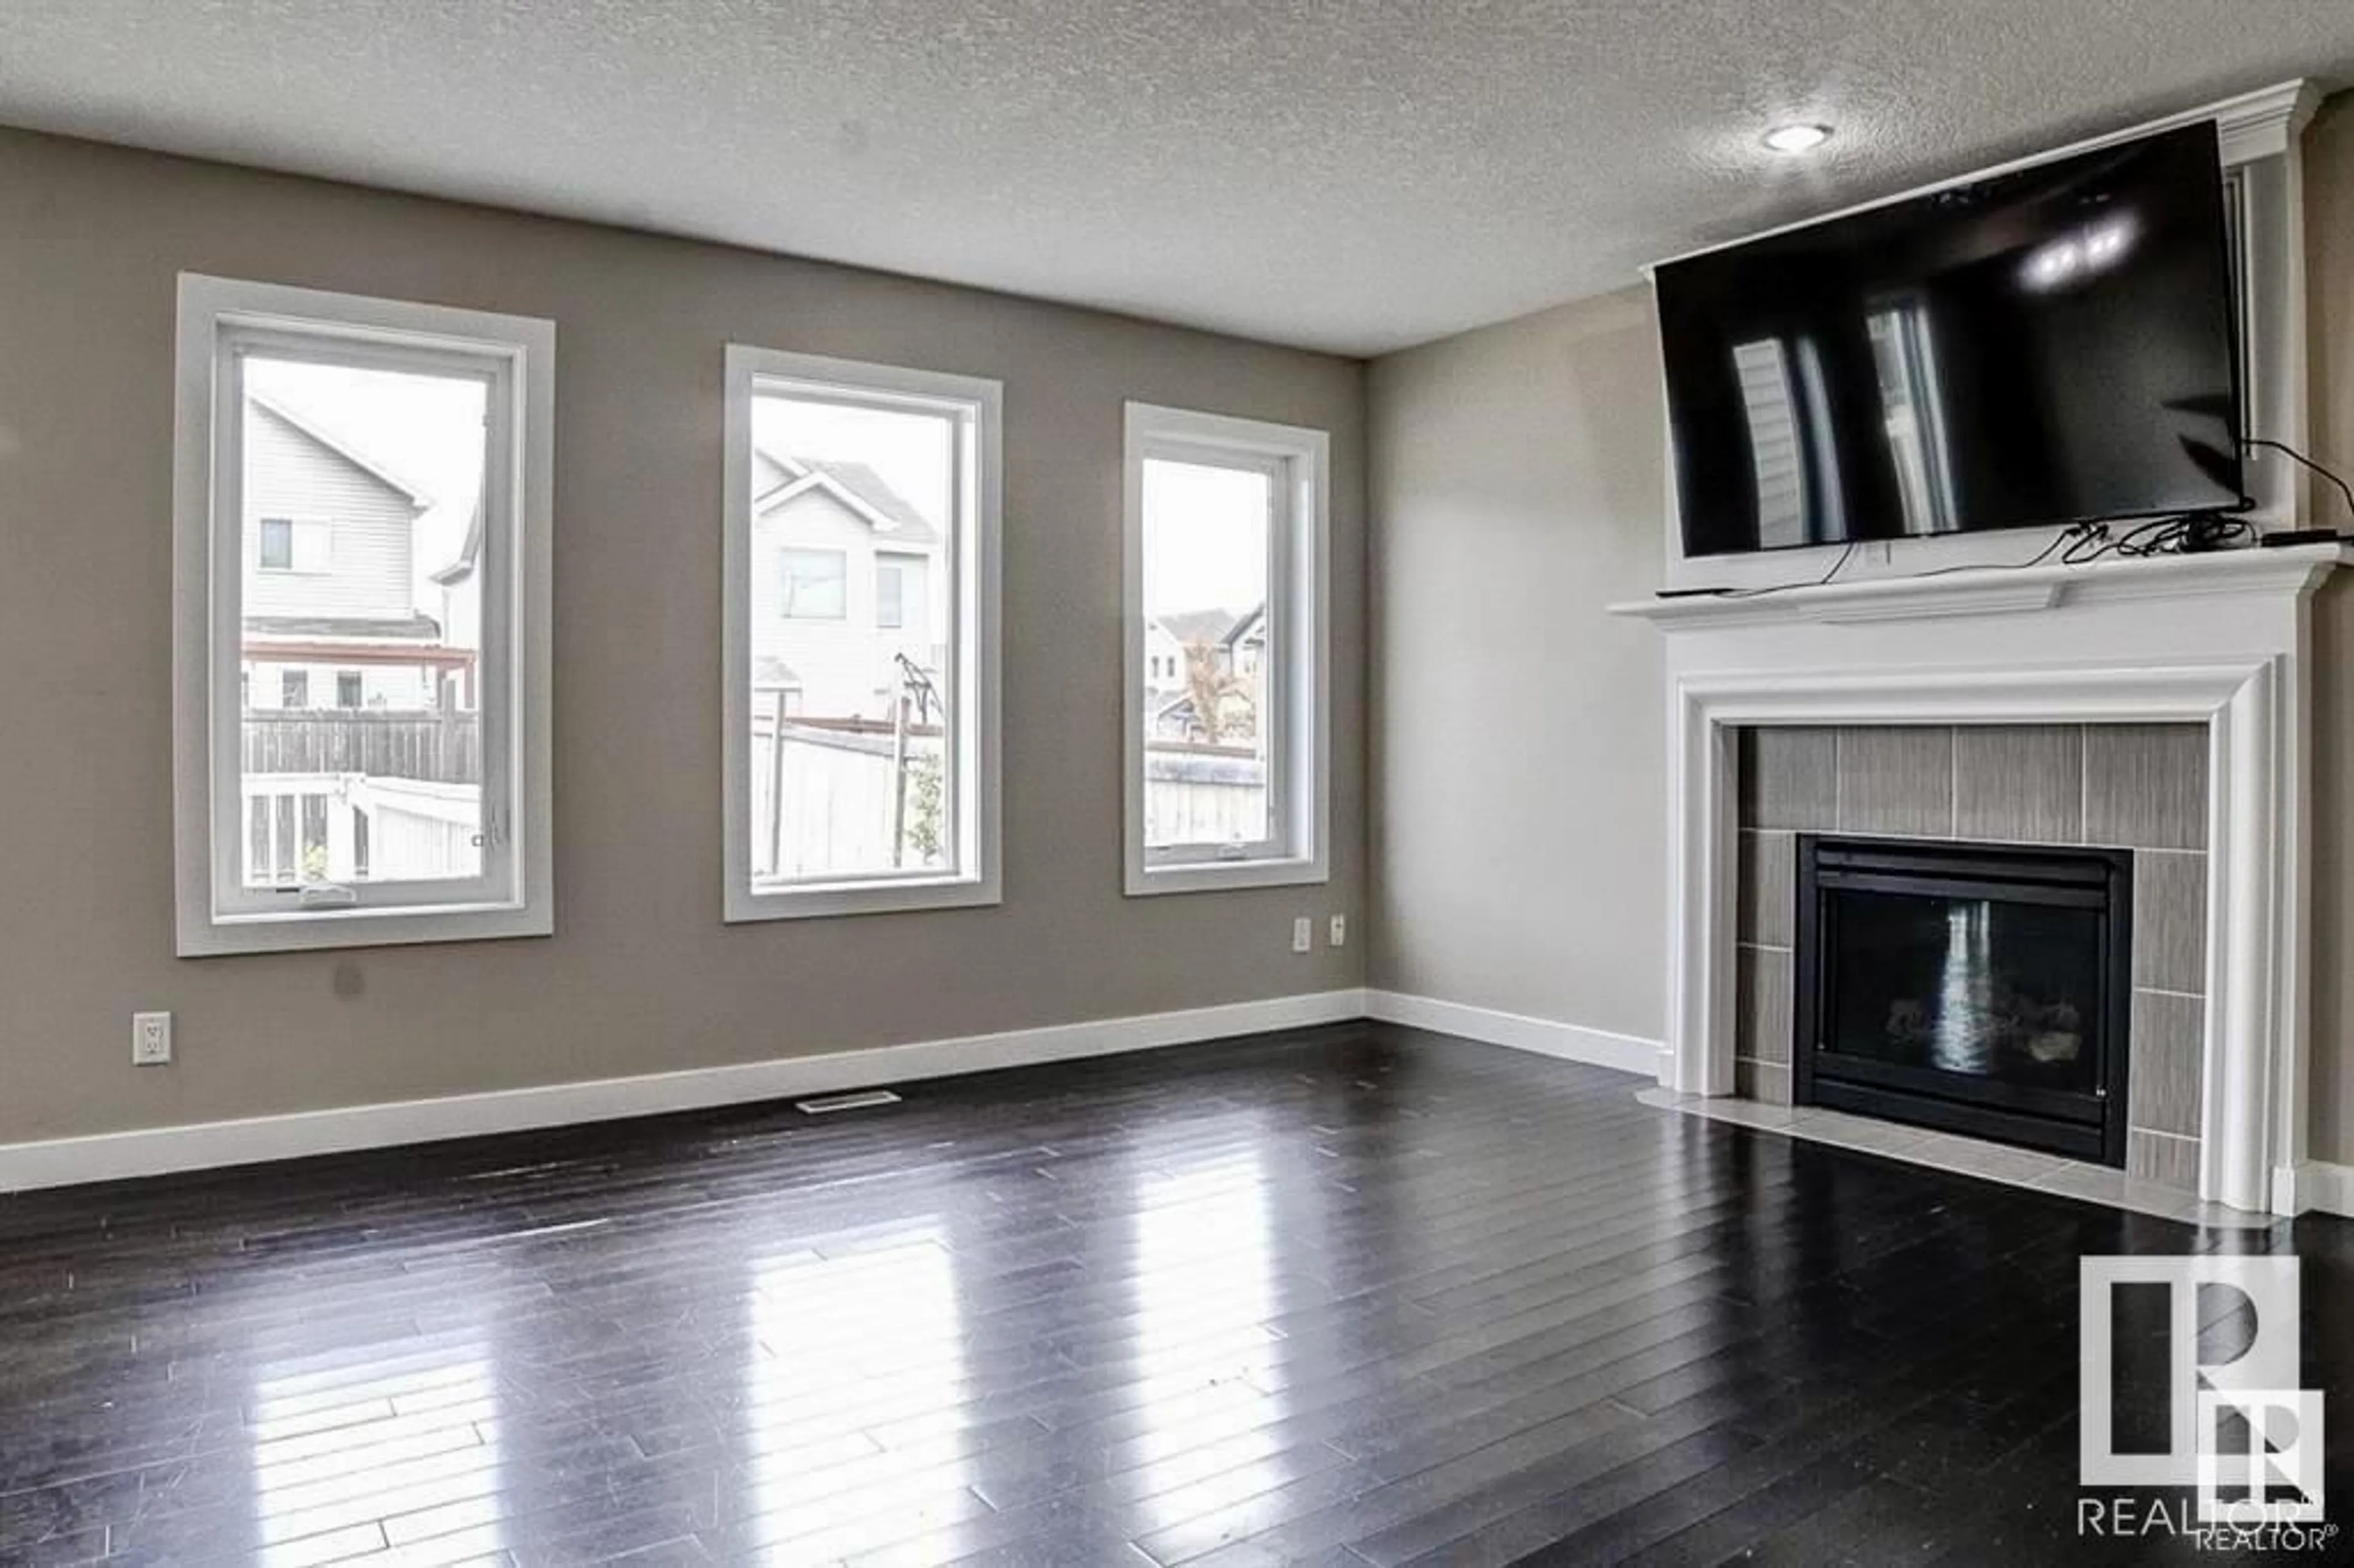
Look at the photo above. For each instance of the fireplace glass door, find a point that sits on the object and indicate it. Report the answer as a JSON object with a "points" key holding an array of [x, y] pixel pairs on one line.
{"points": [[1982, 989]]}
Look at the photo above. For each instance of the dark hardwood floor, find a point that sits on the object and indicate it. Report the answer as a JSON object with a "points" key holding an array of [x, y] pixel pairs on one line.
{"points": [[1352, 1296]]}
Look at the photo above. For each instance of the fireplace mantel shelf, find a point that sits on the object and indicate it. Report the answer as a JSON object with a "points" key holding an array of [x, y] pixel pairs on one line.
{"points": [[1997, 590]]}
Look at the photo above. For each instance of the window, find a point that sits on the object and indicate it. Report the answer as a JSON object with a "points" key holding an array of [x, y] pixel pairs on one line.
{"points": [[812, 584], [1227, 739], [861, 709], [277, 545], [294, 544], [334, 454]]}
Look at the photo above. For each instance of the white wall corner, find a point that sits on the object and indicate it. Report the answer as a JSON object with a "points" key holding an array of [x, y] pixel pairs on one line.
{"points": [[1542, 1036]]}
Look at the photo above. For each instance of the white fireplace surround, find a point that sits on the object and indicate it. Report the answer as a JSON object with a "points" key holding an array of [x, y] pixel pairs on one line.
{"points": [[2222, 641]]}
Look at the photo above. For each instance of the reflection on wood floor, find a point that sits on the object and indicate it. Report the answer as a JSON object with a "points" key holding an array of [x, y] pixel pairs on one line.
{"points": [[1355, 1294]]}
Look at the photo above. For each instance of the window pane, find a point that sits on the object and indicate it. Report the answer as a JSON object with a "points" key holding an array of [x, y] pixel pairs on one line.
{"points": [[850, 667], [277, 545], [1208, 535], [361, 487], [813, 584]]}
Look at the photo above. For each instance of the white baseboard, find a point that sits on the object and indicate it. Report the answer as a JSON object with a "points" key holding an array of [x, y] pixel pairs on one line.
{"points": [[153, 1151], [2323, 1186], [1570, 1042]]}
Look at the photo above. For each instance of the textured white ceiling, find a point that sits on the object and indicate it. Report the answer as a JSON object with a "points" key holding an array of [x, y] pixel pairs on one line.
{"points": [[1350, 176]]}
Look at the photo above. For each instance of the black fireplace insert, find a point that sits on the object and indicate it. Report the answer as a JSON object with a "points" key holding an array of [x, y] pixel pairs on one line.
{"points": [[1982, 989]]}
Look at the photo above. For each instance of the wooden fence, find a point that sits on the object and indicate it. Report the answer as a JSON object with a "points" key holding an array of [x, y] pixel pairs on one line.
{"points": [[436, 747]]}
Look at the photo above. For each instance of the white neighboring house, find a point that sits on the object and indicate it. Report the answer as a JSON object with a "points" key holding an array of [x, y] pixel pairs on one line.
{"points": [[331, 618], [846, 577], [360, 759], [1164, 659], [1232, 644]]}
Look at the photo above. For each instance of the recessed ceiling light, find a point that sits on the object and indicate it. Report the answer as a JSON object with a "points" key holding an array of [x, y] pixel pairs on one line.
{"points": [[1796, 139]]}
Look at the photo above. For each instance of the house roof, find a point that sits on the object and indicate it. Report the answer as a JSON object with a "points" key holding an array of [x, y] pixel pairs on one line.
{"points": [[859, 487], [305, 424], [771, 673], [469, 552], [1195, 627], [405, 629], [1252, 620]]}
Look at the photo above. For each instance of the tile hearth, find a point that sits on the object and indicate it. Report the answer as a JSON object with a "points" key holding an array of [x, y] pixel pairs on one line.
{"points": [[1966, 1156]]}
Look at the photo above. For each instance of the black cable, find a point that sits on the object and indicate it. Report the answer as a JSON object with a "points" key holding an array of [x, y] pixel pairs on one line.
{"points": [[2343, 488], [2077, 544], [1839, 565], [2183, 533], [1785, 587], [2073, 532]]}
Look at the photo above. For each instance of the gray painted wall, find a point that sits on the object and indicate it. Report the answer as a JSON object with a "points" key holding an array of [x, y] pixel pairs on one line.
{"points": [[1519, 820], [1517, 488], [641, 975]]}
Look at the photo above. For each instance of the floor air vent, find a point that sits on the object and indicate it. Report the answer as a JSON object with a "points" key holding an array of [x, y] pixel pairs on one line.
{"points": [[865, 1099]]}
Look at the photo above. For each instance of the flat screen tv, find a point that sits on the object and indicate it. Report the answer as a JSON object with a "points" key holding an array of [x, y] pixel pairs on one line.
{"points": [[2049, 346]]}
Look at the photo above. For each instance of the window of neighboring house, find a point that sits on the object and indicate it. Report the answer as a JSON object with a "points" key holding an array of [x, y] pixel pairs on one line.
{"points": [[1226, 523], [292, 544], [812, 584], [277, 545], [881, 793], [336, 831]]}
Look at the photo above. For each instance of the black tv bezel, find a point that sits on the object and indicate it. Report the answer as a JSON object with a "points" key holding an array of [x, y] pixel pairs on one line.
{"points": [[2235, 312]]}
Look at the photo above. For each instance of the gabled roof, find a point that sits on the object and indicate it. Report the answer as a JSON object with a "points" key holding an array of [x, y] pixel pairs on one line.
{"points": [[857, 486], [1197, 628], [302, 424], [1250, 620]]}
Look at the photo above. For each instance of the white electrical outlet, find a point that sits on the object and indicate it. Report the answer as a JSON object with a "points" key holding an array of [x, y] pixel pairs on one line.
{"points": [[1340, 930], [1303, 934], [151, 1039]]}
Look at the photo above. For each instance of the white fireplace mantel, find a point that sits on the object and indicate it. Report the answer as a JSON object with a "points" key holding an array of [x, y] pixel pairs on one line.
{"points": [[2220, 639]]}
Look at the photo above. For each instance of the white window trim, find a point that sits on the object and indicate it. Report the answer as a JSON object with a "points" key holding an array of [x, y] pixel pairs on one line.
{"points": [[1301, 778], [212, 917], [975, 585]]}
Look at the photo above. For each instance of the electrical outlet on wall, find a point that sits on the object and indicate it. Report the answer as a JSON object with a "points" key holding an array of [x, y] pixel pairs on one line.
{"points": [[151, 1039], [1340, 930], [1303, 934]]}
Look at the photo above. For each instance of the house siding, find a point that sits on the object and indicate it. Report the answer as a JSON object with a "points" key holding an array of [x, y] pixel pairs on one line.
{"points": [[845, 665], [371, 560]]}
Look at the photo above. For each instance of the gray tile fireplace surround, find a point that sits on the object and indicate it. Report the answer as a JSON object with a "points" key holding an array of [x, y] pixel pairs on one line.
{"points": [[2136, 786]]}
